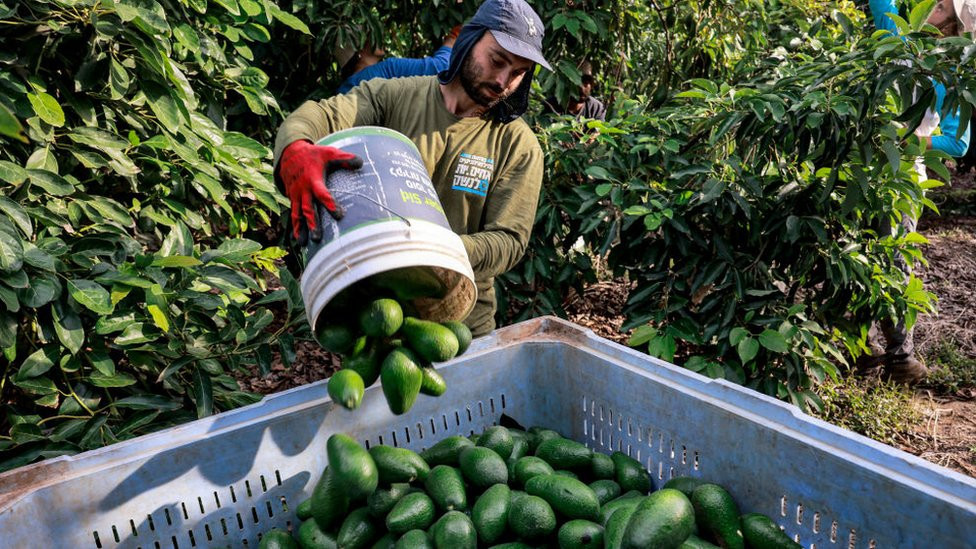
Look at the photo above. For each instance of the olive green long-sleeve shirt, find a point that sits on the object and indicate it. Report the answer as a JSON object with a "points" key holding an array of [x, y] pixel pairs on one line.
{"points": [[487, 174]]}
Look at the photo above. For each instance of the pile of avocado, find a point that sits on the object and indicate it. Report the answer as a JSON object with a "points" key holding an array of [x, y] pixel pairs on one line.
{"points": [[380, 342], [512, 489]]}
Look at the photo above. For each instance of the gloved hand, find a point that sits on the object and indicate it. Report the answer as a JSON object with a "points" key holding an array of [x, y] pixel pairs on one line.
{"points": [[303, 168]]}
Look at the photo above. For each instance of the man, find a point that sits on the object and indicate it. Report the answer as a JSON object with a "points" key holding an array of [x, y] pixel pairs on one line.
{"points": [[368, 63], [896, 360], [583, 105], [468, 113]]}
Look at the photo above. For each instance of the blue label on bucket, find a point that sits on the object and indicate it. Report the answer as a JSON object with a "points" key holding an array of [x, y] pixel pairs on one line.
{"points": [[392, 184]]}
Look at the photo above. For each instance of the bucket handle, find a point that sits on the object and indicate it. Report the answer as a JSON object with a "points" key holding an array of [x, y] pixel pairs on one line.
{"points": [[405, 220]]}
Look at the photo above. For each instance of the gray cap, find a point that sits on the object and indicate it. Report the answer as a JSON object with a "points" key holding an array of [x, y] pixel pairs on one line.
{"points": [[515, 26], [966, 12]]}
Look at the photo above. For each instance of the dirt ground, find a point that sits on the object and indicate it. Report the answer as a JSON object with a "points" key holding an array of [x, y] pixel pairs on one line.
{"points": [[945, 436]]}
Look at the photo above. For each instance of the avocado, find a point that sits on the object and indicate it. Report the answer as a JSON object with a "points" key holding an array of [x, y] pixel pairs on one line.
{"points": [[433, 342]]}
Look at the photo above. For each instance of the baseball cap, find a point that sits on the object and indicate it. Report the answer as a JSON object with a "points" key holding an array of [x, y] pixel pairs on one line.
{"points": [[966, 12], [515, 26]]}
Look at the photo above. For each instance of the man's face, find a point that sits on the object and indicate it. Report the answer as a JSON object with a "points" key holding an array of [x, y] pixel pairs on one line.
{"points": [[586, 86], [943, 15], [490, 74], [371, 55]]}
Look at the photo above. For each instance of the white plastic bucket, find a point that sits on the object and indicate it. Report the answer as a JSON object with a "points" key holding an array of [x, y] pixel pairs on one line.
{"points": [[393, 221]]}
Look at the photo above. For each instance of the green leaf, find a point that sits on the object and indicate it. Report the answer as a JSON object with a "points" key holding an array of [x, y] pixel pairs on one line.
{"points": [[588, 23], [256, 32], [109, 324], [92, 295], [214, 190], [16, 279], [288, 19], [642, 335], [179, 241], [36, 385], [111, 210], [47, 108], [264, 359], [920, 13], [737, 335], [238, 249], [662, 347], [704, 84], [67, 324], [136, 421], [173, 367], [24, 433], [696, 363], [43, 290], [747, 349], [49, 400], [10, 125], [186, 36], [240, 146], [893, 154], [17, 214], [119, 379], [202, 393], [149, 12], [176, 261], [12, 303], [12, 173], [137, 333], [38, 363], [147, 402], [286, 344], [559, 21], [159, 317], [773, 341], [115, 277], [118, 78], [598, 172], [637, 210], [844, 21], [230, 5], [272, 297], [11, 252], [102, 363], [98, 139], [715, 370], [51, 182], [163, 105], [42, 159]]}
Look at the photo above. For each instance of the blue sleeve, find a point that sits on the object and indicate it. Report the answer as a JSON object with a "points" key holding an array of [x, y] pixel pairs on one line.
{"points": [[949, 125], [880, 10], [396, 67]]}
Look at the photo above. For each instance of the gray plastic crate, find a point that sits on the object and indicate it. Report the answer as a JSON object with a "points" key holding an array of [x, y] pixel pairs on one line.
{"points": [[222, 481]]}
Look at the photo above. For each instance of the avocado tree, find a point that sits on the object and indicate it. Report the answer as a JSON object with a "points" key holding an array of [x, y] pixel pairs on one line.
{"points": [[745, 208], [131, 284]]}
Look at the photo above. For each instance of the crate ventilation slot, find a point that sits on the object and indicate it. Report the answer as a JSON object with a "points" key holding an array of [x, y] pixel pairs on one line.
{"points": [[800, 515], [473, 418], [207, 531], [608, 430]]}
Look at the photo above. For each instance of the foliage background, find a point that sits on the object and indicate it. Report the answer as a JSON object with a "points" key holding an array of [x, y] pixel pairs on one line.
{"points": [[752, 152]]}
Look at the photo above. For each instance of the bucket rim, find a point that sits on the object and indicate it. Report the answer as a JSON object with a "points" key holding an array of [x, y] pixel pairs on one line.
{"points": [[371, 131], [379, 248]]}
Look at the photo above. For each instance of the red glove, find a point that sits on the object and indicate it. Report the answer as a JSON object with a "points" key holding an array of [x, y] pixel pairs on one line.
{"points": [[303, 168]]}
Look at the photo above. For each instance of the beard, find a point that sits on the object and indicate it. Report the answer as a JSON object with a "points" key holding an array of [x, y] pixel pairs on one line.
{"points": [[478, 89]]}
